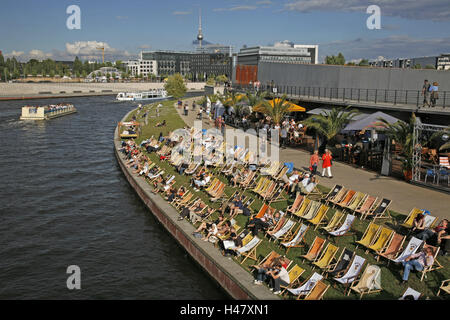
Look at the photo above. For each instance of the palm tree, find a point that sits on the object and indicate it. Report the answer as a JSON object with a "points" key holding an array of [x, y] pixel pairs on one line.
{"points": [[276, 109], [329, 123], [232, 99]]}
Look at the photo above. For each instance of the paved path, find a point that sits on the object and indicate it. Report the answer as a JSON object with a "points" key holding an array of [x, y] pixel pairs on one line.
{"points": [[405, 196]]}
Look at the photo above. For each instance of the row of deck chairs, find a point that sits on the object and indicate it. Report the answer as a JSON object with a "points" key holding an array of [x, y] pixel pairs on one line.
{"points": [[357, 202], [268, 189]]}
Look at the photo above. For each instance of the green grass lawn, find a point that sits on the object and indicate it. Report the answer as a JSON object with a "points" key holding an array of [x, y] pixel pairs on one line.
{"points": [[390, 277]]}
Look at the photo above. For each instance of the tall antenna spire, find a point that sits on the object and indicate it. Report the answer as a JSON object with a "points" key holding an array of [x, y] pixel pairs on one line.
{"points": [[200, 34]]}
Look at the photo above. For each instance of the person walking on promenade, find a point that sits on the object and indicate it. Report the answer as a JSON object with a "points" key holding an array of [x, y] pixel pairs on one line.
{"points": [[186, 109], [434, 94], [314, 162], [326, 164], [426, 93]]}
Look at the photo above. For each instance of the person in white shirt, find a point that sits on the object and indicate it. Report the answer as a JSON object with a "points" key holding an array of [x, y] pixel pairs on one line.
{"points": [[278, 277]]}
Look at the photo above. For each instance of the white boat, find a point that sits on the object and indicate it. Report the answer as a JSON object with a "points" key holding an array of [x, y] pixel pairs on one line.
{"points": [[155, 94]]}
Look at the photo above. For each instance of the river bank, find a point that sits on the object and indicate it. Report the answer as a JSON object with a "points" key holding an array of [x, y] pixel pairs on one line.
{"points": [[24, 91]]}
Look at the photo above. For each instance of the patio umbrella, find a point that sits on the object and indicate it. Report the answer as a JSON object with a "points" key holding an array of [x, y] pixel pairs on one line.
{"points": [[292, 106], [370, 121]]}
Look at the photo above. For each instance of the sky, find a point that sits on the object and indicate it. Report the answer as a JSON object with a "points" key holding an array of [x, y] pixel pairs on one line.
{"points": [[37, 28]]}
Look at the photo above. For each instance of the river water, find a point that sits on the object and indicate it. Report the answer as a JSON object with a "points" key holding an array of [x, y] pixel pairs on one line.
{"points": [[64, 201]]}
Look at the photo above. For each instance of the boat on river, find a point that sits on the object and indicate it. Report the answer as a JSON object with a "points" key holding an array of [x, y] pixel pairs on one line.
{"points": [[152, 95], [47, 112]]}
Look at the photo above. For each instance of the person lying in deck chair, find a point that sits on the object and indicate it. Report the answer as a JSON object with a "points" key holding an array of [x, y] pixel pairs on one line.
{"points": [[256, 224], [417, 261], [432, 235], [217, 231], [269, 265], [208, 225]]}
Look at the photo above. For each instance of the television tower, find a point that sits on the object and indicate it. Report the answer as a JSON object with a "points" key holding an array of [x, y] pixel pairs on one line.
{"points": [[200, 34]]}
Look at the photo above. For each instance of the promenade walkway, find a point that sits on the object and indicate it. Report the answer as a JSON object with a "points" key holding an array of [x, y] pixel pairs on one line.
{"points": [[405, 196]]}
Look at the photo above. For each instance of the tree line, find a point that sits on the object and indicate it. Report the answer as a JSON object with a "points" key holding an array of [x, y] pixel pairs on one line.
{"points": [[11, 68]]}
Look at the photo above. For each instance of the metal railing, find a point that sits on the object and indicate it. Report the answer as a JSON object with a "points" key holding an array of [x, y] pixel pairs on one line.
{"points": [[376, 96]]}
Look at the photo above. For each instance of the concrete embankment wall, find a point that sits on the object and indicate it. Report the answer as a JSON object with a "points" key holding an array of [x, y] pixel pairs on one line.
{"points": [[40, 90], [327, 76], [231, 277]]}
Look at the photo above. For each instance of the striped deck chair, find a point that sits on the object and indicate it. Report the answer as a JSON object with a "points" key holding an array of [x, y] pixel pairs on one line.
{"points": [[369, 282], [410, 249], [303, 208], [318, 291], [320, 216], [218, 192], [409, 220], [393, 248], [306, 287], [327, 257], [294, 276], [410, 292], [338, 268], [285, 232], [379, 211], [249, 250], [260, 184], [382, 240], [347, 199], [365, 206], [212, 185], [333, 192], [278, 226], [369, 236], [296, 241], [334, 221], [430, 221], [312, 210], [435, 266], [296, 205], [443, 162], [314, 250], [356, 201], [352, 273]]}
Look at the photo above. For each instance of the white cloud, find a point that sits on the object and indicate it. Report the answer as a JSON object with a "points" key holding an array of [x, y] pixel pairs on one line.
{"points": [[236, 8], [181, 13], [397, 46], [437, 10]]}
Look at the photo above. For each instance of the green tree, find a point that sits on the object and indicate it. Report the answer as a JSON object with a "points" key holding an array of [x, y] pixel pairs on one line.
{"points": [[329, 123], [222, 78], [211, 81], [363, 63], [276, 109], [402, 133], [337, 60], [175, 86]]}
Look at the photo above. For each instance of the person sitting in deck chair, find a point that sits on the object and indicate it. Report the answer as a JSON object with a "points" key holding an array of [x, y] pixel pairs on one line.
{"points": [[275, 220], [418, 224], [257, 224], [278, 277], [161, 124], [229, 246], [312, 183], [417, 261], [205, 225], [432, 235], [199, 184], [217, 231]]}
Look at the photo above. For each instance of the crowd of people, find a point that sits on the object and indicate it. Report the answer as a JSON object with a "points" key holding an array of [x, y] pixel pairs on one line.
{"points": [[219, 225]]}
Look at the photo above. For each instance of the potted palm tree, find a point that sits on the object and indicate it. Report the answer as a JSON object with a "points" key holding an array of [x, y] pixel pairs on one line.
{"points": [[402, 133], [277, 108]]}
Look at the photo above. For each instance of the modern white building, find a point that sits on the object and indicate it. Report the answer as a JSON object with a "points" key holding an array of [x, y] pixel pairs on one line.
{"points": [[142, 67]]}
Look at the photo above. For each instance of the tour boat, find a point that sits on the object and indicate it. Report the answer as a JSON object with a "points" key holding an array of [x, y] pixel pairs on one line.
{"points": [[155, 94], [46, 112]]}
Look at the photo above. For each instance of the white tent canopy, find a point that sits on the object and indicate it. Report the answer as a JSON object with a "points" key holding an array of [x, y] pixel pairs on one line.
{"points": [[369, 120]]}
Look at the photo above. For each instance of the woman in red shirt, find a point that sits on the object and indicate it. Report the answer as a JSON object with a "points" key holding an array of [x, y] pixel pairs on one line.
{"points": [[326, 164]]}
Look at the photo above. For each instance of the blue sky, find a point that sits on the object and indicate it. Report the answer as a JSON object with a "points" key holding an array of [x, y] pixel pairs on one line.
{"points": [[30, 28]]}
